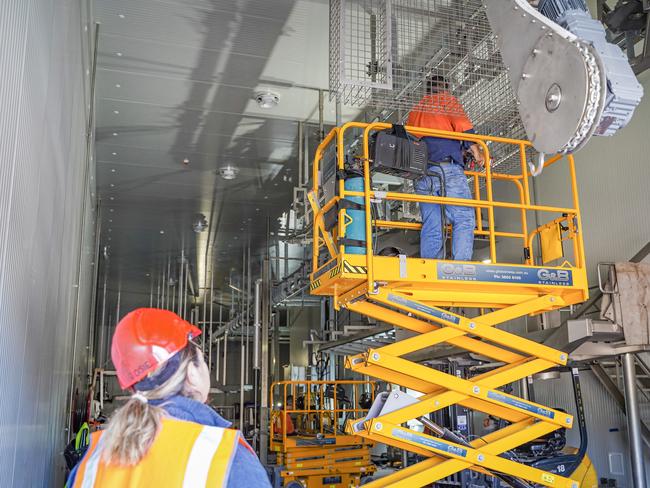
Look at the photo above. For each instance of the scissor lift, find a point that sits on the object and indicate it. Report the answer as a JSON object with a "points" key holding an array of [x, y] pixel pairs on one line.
{"points": [[417, 294], [318, 454]]}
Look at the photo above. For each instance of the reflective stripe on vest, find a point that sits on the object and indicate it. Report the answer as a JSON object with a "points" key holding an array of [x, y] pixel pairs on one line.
{"points": [[183, 455], [198, 466]]}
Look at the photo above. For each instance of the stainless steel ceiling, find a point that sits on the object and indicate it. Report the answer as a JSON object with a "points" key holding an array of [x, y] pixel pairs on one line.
{"points": [[175, 80]]}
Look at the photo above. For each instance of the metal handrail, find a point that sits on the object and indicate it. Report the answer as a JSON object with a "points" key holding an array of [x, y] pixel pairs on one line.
{"points": [[293, 387], [489, 203]]}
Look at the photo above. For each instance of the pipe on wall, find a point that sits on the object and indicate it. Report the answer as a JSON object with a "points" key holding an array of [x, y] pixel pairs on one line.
{"points": [[633, 421], [257, 325]]}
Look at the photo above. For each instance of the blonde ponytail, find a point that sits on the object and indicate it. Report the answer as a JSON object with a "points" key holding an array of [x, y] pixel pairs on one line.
{"points": [[134, 427]]}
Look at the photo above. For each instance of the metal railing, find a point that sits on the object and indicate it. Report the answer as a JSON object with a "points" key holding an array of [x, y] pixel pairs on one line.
{"points": [[323, 407], [478, 202]]}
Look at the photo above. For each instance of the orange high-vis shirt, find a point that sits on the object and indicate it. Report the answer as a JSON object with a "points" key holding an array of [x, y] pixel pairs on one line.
{"points": [[440, 111], [277, 425]]}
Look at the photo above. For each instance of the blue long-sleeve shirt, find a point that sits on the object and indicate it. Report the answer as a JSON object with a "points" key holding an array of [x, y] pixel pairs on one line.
{"points": [[246, 470]]}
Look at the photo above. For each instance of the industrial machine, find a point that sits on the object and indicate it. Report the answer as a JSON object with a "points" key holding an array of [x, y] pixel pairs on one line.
{"points": [[571, 83], [455, 303], [307, 433], [543, 70]]}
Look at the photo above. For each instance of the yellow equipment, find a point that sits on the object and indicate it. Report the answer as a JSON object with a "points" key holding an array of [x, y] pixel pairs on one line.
{"points": [[319, 453], [409, 293], [585, 474]]}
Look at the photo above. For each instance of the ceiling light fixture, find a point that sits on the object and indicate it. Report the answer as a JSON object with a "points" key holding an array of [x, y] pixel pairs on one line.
{"points": [[267, 99], [487, 261], [200, 223], [116, 112], [114, 153], [186, 161], [118, 54], [117, 85], [228, 172], [114, 134], [121, 16]]}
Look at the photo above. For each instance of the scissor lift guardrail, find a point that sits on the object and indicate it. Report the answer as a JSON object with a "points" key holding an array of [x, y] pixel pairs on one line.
{"points": [[319, 454], [409, 293]]}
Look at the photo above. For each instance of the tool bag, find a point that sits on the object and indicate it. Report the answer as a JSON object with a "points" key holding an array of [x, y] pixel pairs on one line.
{"points": [[396, 152]]}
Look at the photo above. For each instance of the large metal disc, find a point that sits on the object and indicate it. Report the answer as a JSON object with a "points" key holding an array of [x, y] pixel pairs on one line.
{"points": [[553, 93]]}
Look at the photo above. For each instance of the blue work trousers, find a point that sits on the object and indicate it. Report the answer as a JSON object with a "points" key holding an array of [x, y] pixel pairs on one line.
{"points": [[462, 219]]}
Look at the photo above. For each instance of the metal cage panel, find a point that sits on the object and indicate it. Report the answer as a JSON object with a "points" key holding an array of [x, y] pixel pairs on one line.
{"points": [[447, 38]]}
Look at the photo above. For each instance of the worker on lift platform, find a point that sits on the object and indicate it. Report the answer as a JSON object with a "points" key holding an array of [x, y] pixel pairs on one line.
{"points": [[280, 422], [440, 110], [165, 435]]}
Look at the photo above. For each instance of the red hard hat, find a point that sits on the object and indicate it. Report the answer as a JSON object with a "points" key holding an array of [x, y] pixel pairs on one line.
{"points": [[146, 338]]}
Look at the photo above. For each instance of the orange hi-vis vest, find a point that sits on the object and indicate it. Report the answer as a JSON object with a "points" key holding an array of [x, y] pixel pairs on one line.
{"points": [[183, 455]]}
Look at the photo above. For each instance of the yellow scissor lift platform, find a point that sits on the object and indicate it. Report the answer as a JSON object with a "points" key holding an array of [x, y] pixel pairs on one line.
{"points": [[317, 454], [416, 294]]}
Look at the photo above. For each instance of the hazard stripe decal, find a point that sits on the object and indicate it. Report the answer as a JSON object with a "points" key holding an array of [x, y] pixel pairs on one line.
{"points": [[335, 271], [349, 268], [314, 284], [325, 269]]}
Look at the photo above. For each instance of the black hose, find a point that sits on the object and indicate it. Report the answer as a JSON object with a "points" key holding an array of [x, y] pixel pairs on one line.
{"points": [[580, 416]]}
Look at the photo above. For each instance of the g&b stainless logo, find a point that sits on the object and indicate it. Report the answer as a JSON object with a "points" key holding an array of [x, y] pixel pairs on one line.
{"points": [[561, 276], [458, 271]]}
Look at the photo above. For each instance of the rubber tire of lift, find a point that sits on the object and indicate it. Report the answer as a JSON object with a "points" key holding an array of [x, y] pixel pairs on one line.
{"points": [[294, 484]]}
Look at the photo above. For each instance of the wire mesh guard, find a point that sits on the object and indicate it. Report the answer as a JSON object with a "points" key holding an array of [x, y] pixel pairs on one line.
{"points": [[383, 51]]}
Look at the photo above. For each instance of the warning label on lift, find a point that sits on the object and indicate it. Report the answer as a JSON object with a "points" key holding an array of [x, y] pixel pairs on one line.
{"points": [[434, 312], [504, 274], [429, 442], [519, 403]]}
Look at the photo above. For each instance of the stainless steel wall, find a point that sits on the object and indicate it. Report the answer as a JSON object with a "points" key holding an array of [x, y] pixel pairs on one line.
{"points": [[45, 288]]}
